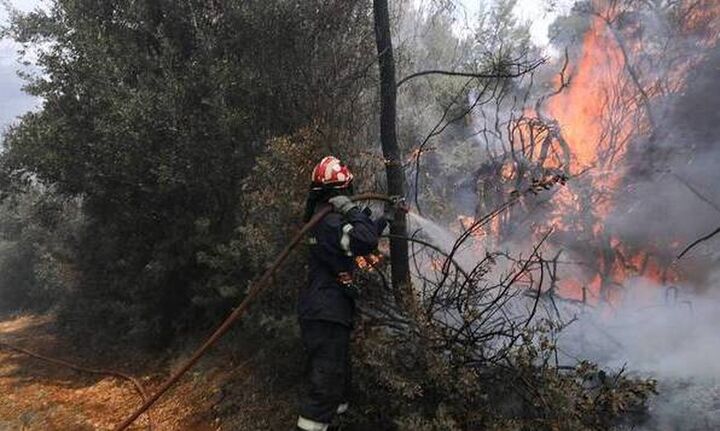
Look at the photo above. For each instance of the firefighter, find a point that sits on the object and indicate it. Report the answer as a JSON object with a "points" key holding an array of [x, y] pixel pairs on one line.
{"points": [[326, 306]]}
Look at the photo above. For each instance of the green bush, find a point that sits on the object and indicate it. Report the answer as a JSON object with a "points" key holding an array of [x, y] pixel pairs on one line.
{"points": [[38, 231]]}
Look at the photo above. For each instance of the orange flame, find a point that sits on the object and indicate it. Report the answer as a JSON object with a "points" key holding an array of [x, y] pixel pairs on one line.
{"points": [[369, 262], [599, 112], [580, 108]]}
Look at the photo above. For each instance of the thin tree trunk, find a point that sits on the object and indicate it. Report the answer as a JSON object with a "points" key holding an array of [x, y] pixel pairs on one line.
{"points": [[391, 150]]}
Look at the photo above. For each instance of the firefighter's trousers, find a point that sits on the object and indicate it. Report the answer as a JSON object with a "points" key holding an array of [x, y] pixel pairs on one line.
{"points": [[327, 345]]}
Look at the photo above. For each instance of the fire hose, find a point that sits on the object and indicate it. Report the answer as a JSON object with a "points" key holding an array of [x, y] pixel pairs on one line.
{"points": [[256, 288]]}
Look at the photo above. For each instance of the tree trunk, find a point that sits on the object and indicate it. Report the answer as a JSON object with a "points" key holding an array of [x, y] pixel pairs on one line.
{"points": [[391, 151]]}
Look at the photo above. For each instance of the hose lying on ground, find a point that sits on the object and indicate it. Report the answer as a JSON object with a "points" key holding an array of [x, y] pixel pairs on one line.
{"points": [[135, 382], [254, 291]]}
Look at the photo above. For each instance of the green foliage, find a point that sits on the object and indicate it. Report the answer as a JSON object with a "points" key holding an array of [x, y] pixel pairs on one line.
{"points": [[271, 212], [500, 38], [37, 233], [154, 112]]}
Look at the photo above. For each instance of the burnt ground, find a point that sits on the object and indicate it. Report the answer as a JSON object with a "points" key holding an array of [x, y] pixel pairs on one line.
{"points": [[228, 390]]}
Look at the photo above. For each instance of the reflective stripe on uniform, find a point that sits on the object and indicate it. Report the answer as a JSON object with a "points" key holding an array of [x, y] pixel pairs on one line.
{"points": [[342, 408], [310, 425], [345, 239]]}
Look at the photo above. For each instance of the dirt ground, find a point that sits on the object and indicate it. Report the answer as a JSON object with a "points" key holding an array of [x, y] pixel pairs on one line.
{"points": [[36, 395]]}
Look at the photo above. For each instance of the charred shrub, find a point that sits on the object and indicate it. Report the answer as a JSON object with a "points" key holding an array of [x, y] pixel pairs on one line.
{"points": [[476, 351], [404, 381]]}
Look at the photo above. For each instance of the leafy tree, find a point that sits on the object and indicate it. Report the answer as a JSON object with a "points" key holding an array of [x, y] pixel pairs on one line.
{"points": [[153, 112]]}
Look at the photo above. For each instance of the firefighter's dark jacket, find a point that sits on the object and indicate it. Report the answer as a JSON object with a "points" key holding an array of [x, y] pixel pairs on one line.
{"points": [[334, 243]]}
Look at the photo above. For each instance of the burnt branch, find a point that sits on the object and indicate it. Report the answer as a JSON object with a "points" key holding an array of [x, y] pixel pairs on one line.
{"points": [[521, 69], [698, 241]]}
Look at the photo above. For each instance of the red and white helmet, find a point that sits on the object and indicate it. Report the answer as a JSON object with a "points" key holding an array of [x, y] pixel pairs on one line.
{"points": [[331, 173]]}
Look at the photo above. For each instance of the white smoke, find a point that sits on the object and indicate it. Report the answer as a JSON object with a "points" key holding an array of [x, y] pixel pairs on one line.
{"points": [[666, 334], [653, 332]]}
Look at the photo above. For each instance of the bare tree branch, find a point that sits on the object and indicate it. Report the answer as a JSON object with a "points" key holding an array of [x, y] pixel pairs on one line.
{"points": [[522, 69], [698, 241]]}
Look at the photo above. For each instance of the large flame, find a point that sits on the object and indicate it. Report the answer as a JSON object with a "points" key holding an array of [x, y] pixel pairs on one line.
{"points": [[581, 108], [602, 110], [603, 105]]}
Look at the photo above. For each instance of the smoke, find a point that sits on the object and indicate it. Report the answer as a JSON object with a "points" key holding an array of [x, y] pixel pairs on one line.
{"points": [[667, 334], [654, 332], [676, 173]]}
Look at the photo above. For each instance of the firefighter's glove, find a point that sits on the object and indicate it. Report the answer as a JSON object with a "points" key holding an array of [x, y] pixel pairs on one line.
{"points": [[341, 204], [345, 280], [391, 209]]}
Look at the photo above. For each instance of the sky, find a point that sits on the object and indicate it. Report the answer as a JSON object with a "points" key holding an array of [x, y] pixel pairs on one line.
{"points": [[14, 102]]}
